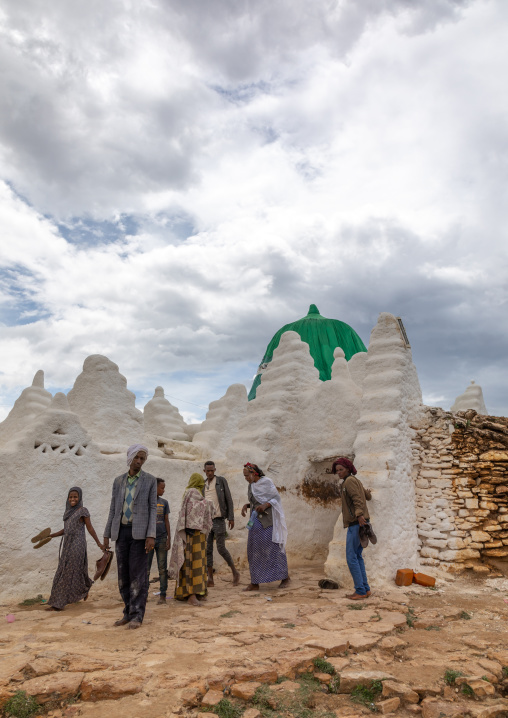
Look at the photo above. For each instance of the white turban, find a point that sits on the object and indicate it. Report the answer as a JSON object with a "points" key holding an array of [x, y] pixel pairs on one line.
{"points": [[133, 450]]}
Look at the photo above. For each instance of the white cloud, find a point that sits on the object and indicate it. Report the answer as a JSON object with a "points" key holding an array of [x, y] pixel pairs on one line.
{"points": [[218, 168]]}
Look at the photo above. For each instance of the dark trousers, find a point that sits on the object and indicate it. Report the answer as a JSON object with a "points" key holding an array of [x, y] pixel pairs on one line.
{"points": [[219, 533], [162, 561], [132, 563]]}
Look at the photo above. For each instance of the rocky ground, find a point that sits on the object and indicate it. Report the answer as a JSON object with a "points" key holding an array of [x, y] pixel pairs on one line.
{"points": [[299, 652]]}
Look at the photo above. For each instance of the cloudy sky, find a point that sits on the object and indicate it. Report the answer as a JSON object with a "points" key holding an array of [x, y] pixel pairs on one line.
{"points": [[179, 180]]}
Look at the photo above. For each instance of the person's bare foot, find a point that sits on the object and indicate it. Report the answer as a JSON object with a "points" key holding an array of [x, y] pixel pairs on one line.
{"points": [[202, 598], [285, 582], [236, 577], [161, 601], [193, 600], [210, 583], [252, 587]]}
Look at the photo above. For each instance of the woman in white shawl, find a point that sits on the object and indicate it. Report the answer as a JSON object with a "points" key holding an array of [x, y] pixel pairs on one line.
{"points": [[266, 544]]}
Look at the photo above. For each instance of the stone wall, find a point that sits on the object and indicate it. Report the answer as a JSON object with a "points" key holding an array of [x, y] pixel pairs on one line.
{"points": [[460, 467]]}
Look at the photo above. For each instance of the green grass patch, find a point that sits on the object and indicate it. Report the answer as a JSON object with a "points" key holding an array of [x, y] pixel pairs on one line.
{"points": [[466, 690], [225, 709], [229, 614], [367, 695], [323, 666], [356, 606], [260, 700], [300, 704], [451, 676], [410, 617], [465, 615], [308, 682], [505, 671], [21, 705], [433, 628], [289, 625], [334, 684], [32, 601]]}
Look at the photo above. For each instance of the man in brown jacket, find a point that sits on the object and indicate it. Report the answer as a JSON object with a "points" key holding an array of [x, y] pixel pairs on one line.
{"points": [[354, 514]]}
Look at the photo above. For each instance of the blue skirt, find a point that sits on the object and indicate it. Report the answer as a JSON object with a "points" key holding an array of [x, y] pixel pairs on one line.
{"points": [[267, 562]]}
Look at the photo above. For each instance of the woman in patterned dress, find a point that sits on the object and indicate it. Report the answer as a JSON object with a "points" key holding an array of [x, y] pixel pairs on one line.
{"points": [[72, 582], [188, 557], [266, 544]]}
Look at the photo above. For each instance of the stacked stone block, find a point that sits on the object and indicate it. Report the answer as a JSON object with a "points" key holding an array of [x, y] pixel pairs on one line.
{"points": [[461, 486]]}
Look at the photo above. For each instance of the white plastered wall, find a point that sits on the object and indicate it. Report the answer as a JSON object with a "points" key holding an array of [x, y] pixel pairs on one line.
{"points": [[293, 429], [54, 454], [223, 418], [391, 409], [472, 398], [163, 419], [106, 408], [32, 401]]}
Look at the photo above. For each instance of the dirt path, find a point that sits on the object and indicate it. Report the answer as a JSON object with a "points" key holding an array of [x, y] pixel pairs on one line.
{"points": [[77, 664]]}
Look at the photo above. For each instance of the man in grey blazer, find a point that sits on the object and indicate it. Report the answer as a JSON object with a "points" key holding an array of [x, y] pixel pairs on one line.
{"points": [[131, 523]]}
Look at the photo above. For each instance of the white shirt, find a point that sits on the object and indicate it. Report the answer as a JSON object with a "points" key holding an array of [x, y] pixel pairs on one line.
{"points": [[211, 495]]}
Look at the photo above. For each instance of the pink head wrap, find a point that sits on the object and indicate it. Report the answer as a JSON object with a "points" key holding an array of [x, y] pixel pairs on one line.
{"points": [[133, 450], [343, 462]]}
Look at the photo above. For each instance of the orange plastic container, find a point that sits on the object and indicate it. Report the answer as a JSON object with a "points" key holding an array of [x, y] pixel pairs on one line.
{"points": [[423, 580], [404, 577]]}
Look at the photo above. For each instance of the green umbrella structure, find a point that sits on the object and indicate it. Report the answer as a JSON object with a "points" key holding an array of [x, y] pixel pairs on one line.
{"points": [[323, 336]]}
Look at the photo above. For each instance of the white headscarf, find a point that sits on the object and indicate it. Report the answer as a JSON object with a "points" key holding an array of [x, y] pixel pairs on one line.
{"points": [[265, 492], [133, 450]]}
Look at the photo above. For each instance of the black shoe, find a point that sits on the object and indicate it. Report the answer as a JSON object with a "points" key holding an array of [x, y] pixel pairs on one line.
{"points": [[370, 533], [328, 585], [364, 536]]}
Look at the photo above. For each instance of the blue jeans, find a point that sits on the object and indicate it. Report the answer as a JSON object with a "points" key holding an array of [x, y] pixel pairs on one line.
{"points": [[354, 560], [162, 561]]}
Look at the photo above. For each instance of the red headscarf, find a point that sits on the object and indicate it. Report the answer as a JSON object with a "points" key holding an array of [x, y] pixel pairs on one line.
{"points": [[254, 468], [343, 462]]}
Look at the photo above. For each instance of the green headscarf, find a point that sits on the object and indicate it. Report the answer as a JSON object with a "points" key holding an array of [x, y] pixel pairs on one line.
{"points": [[196, 481]]}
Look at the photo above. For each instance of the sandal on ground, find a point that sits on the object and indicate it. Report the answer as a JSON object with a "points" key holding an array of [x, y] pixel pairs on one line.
{"points": [[327, 584]]}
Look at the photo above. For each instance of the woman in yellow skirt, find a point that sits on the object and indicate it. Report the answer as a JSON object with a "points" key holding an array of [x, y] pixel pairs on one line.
{"points": [[188, 557]]}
